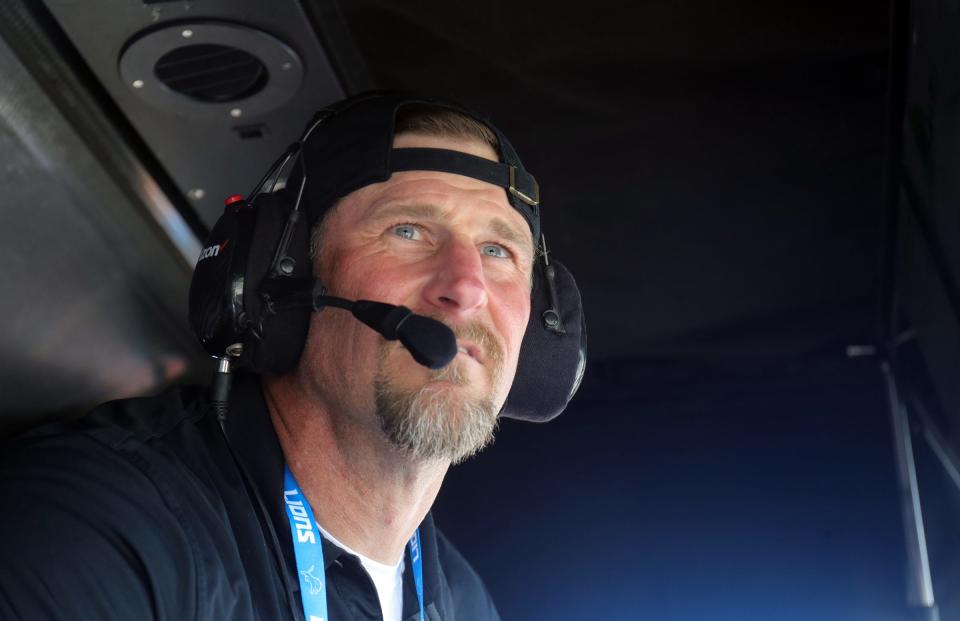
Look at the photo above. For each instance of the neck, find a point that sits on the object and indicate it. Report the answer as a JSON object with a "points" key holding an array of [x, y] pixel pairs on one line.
{"points": [[364, 491]]}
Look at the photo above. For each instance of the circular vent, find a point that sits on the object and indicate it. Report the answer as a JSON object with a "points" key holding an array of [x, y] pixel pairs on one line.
{"points": [[211, 73], [203, 70]]}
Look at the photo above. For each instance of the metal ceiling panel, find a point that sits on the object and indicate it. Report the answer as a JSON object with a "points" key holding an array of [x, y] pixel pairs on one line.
{"points": [[210, 149], [94, 290]]}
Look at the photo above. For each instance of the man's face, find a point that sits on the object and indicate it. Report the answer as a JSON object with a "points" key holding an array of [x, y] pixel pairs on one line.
{"points": [[446, 246]]}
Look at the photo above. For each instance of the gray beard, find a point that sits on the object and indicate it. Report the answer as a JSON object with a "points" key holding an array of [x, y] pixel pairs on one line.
{"points": [[439, 422]]}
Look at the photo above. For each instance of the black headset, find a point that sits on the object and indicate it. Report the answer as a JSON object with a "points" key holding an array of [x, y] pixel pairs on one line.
{"points": [[253, 289]]}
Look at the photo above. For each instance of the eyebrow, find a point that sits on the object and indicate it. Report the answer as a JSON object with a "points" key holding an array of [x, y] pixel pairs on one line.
{"points": [[416, 210]]}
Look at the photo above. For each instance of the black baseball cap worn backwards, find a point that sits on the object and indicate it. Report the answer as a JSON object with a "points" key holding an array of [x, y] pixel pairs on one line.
{"points": [[256, 259]]}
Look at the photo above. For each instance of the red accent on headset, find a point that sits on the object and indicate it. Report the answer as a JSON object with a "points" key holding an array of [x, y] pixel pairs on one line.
{"points": [[234, 198]]}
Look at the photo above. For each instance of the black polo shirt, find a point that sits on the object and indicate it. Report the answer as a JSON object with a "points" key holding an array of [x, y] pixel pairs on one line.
{"points": [[141, 510]]}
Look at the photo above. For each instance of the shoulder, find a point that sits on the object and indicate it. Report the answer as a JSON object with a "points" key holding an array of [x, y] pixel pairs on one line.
{"points": [[115, 457], [124, 458], [84, 515], [140, 419], [147, 419], [471, 600], [99, 442]]}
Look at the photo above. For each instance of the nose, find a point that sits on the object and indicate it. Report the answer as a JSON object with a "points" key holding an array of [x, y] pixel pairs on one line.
{"points": [[457, 287]]}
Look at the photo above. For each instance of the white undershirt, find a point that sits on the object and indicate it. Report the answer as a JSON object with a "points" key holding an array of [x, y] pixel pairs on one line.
{"points": [[388, 580]]}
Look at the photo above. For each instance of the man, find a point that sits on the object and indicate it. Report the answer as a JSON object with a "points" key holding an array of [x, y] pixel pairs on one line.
{"points": [[311, 498], [370, 444]]}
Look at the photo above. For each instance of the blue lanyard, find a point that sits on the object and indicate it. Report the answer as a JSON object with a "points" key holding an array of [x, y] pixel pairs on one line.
{"points": [[308, 551]]}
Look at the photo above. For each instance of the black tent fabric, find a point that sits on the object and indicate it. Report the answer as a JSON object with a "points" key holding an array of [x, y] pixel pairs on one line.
{"points": [[711, 173], [682, 492]]}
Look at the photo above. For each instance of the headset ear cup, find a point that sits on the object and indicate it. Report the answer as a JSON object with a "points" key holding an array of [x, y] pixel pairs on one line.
{"points": [[551, 365], [213, 302], [275, 341]]}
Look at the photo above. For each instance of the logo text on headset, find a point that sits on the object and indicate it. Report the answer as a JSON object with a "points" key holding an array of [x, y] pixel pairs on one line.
{"points": [[212, 251]]}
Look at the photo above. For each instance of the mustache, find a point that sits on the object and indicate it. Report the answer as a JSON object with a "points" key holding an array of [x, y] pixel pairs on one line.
{"points": [[484, 338]]}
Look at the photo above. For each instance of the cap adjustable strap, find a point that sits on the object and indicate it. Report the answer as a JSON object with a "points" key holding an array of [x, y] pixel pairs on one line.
{"points": [[518, 182]]}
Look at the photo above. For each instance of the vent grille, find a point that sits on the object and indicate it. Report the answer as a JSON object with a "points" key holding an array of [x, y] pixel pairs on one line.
{"points": [[212, 73]]}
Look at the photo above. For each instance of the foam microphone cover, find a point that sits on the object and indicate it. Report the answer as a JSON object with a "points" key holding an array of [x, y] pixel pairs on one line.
{"points": [[431, 343]]}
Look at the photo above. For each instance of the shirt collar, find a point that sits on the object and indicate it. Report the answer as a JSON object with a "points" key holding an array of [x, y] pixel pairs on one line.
{"points": [[254, 440]]}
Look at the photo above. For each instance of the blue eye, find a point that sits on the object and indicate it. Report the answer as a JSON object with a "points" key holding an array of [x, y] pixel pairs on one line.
{"points": [[407, 231], [495, 250]]}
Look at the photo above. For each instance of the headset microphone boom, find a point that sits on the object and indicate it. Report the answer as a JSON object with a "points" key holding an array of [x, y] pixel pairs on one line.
{"points": [[428, 340]]}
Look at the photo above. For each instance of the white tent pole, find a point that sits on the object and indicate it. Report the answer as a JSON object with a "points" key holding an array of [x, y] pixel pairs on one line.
{"points": [[920, 583]]}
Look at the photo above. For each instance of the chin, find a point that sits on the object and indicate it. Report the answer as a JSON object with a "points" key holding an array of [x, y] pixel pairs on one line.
{"points": [[442, 416]]}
